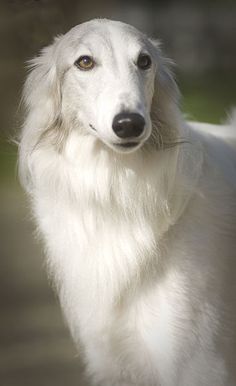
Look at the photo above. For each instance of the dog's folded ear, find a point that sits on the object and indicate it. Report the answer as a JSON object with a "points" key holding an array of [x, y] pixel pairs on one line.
{"points": [[41, 94], [165, 80], [165, 112], [42, 103]]}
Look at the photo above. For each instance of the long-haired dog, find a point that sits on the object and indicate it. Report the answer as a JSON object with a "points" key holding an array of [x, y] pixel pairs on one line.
{"points": [[136, 208]]}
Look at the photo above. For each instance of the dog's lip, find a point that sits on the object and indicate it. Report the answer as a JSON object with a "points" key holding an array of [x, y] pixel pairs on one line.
{"points": [[127, 144]]}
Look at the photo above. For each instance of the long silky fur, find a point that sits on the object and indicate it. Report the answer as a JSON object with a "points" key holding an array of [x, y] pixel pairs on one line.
{"points": [[124, 234]]}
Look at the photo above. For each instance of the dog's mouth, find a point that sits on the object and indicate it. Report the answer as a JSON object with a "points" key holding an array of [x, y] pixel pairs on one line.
{"points": [[127, 145]]}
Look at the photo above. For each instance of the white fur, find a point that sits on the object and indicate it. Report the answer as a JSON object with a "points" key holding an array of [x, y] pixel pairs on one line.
{"points": [[141, 244]]}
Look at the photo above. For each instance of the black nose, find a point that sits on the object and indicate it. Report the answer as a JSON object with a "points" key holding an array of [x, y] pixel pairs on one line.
{"points": [[127, 125]]}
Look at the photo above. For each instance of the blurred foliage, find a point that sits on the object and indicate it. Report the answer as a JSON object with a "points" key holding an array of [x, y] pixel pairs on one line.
{"points": [[208, 98], [8, 162]]}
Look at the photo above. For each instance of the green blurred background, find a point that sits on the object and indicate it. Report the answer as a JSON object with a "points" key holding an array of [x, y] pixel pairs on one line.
{"points": [[200, 36]]}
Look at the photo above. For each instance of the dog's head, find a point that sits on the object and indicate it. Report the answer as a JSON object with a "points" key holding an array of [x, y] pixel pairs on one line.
{"points": [[107, 80]]}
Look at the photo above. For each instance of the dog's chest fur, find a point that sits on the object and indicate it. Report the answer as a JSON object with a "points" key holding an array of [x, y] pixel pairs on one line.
{"points": [[102, 236], [105, 226], [97, 218]]}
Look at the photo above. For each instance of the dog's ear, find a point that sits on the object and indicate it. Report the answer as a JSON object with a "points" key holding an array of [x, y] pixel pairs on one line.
{"points": [[42, 103], [41, 93], [165, 111]]}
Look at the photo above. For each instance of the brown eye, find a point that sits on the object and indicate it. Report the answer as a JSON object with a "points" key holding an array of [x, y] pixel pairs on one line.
{"points": [[85, 63], [144, 62]]}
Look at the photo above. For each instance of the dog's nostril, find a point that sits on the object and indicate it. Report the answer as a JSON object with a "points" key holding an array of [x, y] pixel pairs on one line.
{"points": [[127, 125]]}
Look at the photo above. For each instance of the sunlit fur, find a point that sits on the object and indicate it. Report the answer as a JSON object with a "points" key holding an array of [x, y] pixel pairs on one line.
{"points": [[140, 243]]}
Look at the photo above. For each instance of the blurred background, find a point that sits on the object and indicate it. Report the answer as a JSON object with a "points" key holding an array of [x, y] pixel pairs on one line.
{"points": [[200, 36]]}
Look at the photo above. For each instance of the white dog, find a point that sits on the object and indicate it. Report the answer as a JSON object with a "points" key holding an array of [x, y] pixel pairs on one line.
{"points": [[137, 210]]}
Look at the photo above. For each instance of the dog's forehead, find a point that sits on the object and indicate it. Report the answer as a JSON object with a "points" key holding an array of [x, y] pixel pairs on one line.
{"points": [[106, 34]]}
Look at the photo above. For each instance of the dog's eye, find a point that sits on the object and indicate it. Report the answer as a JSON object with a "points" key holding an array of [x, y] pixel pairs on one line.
{"points": [[144, 62], [85, 63]]}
